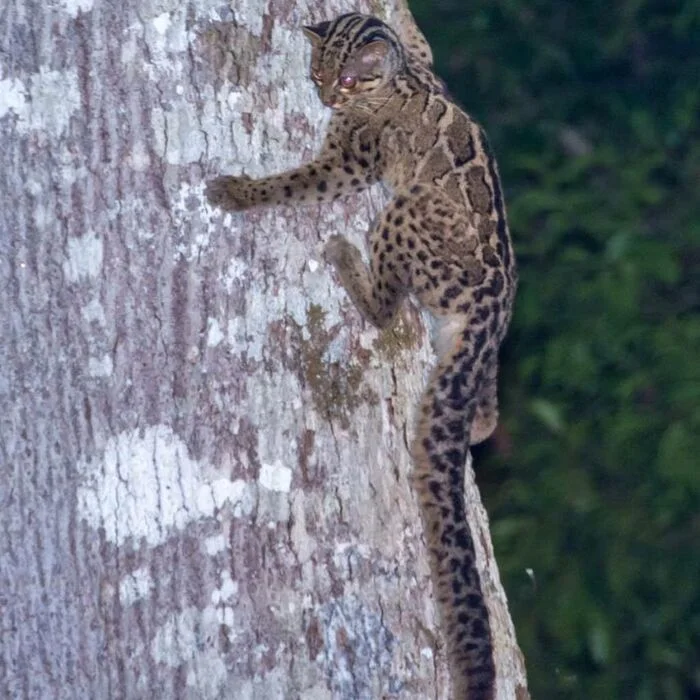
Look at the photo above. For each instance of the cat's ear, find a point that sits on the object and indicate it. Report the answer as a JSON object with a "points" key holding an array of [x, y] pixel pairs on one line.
{"points": [[316, 33], [372, 56]]}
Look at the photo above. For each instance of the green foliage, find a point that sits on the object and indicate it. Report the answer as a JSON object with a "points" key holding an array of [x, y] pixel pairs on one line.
{"points": [[594, 111]]}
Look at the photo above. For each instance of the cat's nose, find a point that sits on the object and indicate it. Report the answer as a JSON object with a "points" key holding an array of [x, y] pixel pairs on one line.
{"points": [[327, 96]]}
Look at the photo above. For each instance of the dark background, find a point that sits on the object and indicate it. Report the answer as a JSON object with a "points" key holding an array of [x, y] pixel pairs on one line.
{"points": [[592, 481]]}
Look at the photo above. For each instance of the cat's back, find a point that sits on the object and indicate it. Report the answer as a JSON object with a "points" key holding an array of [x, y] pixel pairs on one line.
{"points": [[430, 139]]}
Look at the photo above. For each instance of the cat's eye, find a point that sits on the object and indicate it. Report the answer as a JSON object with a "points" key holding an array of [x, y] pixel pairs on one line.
{"points": [[348, 81]]}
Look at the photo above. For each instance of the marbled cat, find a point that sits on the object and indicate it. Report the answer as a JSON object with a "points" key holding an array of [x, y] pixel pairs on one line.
{"points": [[444, 239]]}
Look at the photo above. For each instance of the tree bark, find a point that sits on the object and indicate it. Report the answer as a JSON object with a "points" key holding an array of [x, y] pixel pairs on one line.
{"points": [[204, 484]]}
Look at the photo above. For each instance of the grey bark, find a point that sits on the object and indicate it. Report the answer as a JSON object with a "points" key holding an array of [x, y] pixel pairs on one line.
{"points": [[204, 476]]}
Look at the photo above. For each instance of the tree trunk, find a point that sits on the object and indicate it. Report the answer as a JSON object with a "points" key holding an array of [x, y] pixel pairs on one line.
{"points": [[204, 485]]}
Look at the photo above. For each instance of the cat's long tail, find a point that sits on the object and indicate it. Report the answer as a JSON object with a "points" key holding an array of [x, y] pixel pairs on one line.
{"points": [[439, 454]]}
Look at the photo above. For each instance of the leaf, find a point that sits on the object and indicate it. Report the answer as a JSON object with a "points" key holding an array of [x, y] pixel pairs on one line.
{"points": [[549, 413]]}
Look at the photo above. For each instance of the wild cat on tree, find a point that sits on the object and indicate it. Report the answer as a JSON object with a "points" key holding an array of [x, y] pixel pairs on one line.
{"points": [[444, 239]]}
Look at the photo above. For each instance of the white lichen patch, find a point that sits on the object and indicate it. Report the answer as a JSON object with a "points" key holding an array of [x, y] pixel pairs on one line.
{"points": [[227, 591], [13, 98], [272, 685], [135, 586], [275, 477], [249, 15], [45, 101], [100, 366], [304, 544], [186, 203], [348, 623], [214, 495], [54, 98], [236, 271], [93, 312], [138, 158], [73, 7], [226, 615], [178, 133], [267, 302], [214, 333], [282, 73], [83, 257], [215, 544], [244, 340], [189, 638], [162, 22], [146, 485], [189, 129], [229, 587], [165, 34]]}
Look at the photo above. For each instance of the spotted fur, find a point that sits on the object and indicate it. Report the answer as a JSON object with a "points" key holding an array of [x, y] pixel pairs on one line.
{"points": [[443, 238]]}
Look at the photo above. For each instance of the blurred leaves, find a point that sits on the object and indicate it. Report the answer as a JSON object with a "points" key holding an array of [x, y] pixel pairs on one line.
{"points": [[594, 112]]}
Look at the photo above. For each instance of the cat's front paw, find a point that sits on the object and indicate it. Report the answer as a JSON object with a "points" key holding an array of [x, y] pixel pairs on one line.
{"points": [[340, 253], [229, 193]]}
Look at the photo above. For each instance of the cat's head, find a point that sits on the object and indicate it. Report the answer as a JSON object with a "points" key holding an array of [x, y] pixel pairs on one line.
{"points": [[353, 57]]}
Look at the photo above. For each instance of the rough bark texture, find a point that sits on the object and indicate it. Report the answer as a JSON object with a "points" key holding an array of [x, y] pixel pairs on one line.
{"points": [[204, 475]]}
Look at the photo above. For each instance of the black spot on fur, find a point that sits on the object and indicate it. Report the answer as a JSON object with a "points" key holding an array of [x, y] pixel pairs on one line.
{"points": [[464, 308], [456, 388], [438, 434], [464, 541], [456, 430], [455, 457], [479, 629]]}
